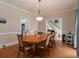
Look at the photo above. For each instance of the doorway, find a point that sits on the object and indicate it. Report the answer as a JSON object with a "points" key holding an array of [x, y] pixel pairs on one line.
{"points": [[55, 24], [24, 25]]}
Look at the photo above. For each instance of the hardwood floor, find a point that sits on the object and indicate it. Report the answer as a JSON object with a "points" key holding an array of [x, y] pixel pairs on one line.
{"points": [[60, 51]]}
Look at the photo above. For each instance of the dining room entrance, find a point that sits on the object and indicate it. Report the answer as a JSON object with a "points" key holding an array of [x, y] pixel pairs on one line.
{"points": [[55, 25], [24, 24]]}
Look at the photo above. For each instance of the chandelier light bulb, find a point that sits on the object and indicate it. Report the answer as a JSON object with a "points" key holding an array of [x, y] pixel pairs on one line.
{"points": [[39, 18]]}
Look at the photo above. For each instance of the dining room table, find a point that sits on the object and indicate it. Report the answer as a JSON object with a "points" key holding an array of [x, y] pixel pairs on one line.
{"points": [[34, 39]]}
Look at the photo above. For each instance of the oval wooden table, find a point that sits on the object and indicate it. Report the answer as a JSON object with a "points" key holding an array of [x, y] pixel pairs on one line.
{"points": [[34, 39]]}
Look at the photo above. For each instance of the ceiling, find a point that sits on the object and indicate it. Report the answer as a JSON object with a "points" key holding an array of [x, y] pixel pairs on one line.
{"points": [[48, 7]]}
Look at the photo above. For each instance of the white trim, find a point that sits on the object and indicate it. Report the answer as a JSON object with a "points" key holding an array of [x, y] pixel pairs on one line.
{"points": [[13, 6], [46, 26], [8, 44], [67, 32], [60, 25], [75, 34], [63, 11], [59, 12], [7, 33], [71, 9]]}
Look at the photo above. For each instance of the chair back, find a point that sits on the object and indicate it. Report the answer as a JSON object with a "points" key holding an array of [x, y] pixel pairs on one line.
{"points": [[20, 40], [47, 41], [40, 33], [52, 35]]}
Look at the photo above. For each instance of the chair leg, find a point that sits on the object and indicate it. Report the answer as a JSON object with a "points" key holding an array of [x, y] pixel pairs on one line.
{"points": [[18, 54], [23, 54], [55, 44]]}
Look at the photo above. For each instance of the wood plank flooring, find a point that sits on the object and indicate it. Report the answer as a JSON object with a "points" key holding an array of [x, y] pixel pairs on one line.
{"points": [[60, 51]]}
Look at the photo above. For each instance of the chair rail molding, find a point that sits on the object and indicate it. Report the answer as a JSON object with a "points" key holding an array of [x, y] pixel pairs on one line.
{"points": [[9, 33]]}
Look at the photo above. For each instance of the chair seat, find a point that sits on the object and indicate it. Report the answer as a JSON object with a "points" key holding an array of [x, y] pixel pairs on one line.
{"points": [[27, 44], [40, 47], [28, 48], [25, 48]]}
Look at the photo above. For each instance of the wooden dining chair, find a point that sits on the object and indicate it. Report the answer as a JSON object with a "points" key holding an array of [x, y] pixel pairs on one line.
{"points": [[52, 39], [40, 33], [23, 47], [43, 45]]}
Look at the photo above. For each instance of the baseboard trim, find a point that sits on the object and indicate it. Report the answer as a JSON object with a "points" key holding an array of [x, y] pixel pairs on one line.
{"points": [[8, 44]]}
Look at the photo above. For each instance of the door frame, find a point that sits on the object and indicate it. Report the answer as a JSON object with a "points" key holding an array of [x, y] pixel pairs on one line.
{"points": [[61, 31], [26, 22]]}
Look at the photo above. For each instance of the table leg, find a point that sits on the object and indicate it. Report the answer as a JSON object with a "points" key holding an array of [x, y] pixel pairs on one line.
{"points": [[33, 47], [35, 54]]}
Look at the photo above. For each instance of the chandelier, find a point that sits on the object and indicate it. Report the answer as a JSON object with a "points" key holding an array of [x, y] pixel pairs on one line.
{"points": [[39, 18]]}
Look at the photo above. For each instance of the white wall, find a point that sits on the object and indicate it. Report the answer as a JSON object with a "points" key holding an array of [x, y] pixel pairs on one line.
{"points": [[13, 15], [9, 30], [68, 21]]}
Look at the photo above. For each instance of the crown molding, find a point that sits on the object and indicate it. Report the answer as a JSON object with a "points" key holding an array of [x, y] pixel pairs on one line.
{"points": [[18, 8], [60, 12], [63, 11]]}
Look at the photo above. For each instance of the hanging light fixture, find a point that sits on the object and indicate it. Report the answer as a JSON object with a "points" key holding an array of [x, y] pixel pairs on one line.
{"points": [[39, 18]]}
